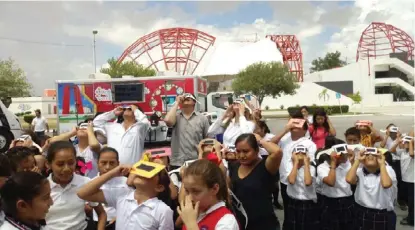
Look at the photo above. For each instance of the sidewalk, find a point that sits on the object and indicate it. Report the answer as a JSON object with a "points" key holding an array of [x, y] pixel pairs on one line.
{"points": [[284, 114]]}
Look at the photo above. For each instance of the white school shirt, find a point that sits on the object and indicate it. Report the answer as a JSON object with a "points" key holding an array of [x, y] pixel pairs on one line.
{"points": [[233, 131], [407, 166], [68, 210], [39, 123], [341, 188], [287, 145], [89, 156], [2, 216], [388, 146], [129, 143], [227, 222], [152, 214], [299, 190], [370, 193], [116, 182], [267, 137]]}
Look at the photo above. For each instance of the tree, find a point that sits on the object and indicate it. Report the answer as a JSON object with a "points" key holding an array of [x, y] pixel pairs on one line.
{"points": [[356, 98], [330, 61], [13, 80], [117, 70], [323, 94], [265, 79]]}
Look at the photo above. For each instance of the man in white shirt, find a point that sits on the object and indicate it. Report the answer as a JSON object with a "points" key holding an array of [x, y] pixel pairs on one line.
{"points": [[129, 136], [39, 124]]}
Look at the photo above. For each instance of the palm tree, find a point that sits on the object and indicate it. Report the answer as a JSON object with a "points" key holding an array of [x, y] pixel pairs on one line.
{"points": [[324, 94]]}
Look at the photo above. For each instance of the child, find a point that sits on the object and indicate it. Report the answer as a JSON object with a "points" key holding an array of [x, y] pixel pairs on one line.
{"points": [[108, 160], [68, 210], [368, 135], [336, 193], [352, 136], [25, 200], [22, 159], [407, 166], [206, 198], [138, 208], [375, 192], [302, 208]]}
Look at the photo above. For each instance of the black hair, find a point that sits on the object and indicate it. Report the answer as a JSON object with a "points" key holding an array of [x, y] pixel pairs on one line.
{"points": [[388, 157], [250, 139], [17, 154], [320, 112], [58, 146], [263, 125], [35, 150], [5, 166], [165, 195], [330, 141], [108, 149], [391, 124], [352, 131], [32, 135], [20, 186], [323, 157], [304, 107], [298, 115]]}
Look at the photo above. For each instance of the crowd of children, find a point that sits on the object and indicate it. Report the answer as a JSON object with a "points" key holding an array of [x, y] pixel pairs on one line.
{"points": [[74, 181]]}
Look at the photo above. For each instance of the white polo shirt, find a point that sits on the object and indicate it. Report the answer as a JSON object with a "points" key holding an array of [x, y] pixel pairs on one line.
{"points": [[407, 166], [129, 143], [39, 123], [89, 156], [287, 145], [68, 210], [267, 137], [152, 214], [370, 193], [227, 222], [116, 182], [299, 190], [233, 131], [341, 188]]}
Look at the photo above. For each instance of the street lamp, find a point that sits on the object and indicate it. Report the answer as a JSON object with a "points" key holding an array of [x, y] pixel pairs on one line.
{"points": [[94, 32]]}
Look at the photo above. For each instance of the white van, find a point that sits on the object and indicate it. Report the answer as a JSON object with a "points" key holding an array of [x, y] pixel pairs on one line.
{"points": [[10, 127]]}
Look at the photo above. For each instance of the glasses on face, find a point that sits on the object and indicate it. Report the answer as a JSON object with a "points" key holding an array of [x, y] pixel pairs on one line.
{"points": [[371, 151]]}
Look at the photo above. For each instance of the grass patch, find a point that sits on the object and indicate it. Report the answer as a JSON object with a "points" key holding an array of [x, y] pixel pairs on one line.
{"points": [[51, 121]]}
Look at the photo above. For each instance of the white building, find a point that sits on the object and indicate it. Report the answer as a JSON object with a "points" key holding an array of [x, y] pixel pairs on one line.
{"points": [[47, 105]]}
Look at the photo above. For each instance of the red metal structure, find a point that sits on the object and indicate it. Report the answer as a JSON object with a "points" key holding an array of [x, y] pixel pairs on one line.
{"points": [[290, 48], [182, 49], [380, 39]]}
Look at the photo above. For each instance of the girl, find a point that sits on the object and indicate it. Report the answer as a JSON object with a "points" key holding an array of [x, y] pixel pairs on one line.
{"points": [[302, 208], [234, 122], [375, 192], [368, 135], [22, 159], [321, 128], [336, 192], [68, 210], [205, 186], [138, 208], [108, 160], [252, 180], [306, 114], [25, 200], [87, 146]]}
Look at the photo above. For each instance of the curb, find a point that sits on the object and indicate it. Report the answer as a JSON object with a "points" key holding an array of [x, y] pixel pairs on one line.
{"points": [[337, 115], [397, 114]]}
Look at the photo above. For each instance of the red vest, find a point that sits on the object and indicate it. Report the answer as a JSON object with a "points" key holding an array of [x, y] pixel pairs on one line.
{"points": [[210, 220]]}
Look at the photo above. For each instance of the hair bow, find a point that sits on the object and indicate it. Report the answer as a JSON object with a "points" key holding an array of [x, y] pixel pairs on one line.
{"points": [[213, 158], [84, 166]]}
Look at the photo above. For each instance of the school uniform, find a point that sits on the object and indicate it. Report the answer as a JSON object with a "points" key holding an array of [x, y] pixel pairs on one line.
{"points": [[303, 210], [117, 182], [338, 202], [67, 211], [407, 168], [374, 207], [217, 217], [13, 224], [90, 157], [396, 165], [152, 214], [287, 145]]}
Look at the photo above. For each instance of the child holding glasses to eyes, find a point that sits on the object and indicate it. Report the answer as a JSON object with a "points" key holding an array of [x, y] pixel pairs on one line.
{"points": [[375, 192]]}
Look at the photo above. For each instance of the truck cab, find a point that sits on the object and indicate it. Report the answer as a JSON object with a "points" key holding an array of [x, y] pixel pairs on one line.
{"points": [[10, 127], [218, 102]]}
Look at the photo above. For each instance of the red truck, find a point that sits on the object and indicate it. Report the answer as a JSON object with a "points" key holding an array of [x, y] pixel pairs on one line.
{"points": [[78, 100]]}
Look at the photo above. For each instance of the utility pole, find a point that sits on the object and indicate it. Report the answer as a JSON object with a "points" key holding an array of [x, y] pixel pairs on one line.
{"points": [[94, 32]]}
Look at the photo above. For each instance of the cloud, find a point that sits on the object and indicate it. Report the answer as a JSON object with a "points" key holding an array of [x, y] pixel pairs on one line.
{"points": [[321, 27]]}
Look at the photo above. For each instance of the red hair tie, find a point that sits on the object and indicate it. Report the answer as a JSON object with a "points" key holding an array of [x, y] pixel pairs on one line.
{"points": [[213, 158]]}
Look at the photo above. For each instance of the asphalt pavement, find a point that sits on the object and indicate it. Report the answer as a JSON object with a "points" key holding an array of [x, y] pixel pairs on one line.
{"points": [[341, 124]]}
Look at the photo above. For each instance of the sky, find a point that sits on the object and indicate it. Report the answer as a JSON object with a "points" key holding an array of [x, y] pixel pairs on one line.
{"points": [[53, 40]]}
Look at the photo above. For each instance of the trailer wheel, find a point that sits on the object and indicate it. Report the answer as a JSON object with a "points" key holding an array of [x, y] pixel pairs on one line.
{"points": [[6, 138]]}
